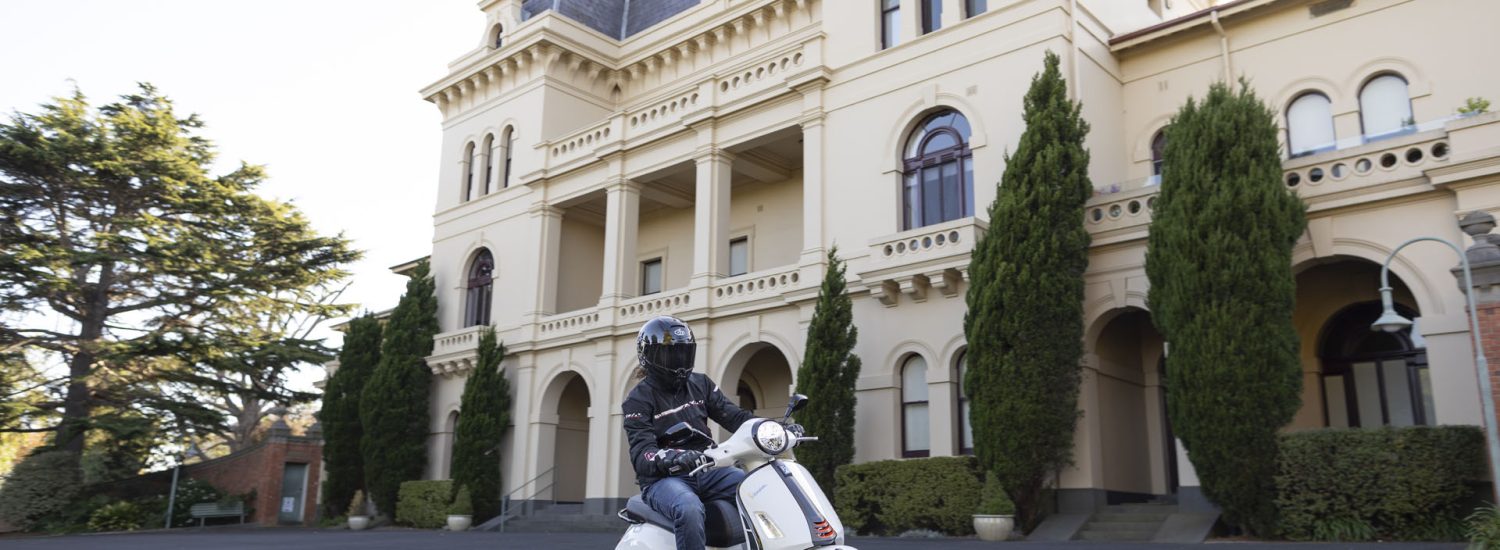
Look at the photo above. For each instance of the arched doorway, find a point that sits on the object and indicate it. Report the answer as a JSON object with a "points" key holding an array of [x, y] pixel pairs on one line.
{"points": [[763, 382], [1353, 376], [1136, 441], [570, 449]]}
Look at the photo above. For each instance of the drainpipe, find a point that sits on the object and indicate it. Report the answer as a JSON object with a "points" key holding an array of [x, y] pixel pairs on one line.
{"points": [[1223, 45]]}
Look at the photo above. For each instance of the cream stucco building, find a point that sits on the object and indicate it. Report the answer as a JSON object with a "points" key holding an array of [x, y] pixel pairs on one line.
{"points": [[608, 161]]}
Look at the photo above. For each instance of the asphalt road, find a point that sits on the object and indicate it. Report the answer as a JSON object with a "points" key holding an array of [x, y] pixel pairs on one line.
{"points": [[314, 539]]}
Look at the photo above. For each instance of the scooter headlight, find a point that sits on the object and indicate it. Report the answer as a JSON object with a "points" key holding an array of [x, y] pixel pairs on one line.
{"points": [[770, 437]]}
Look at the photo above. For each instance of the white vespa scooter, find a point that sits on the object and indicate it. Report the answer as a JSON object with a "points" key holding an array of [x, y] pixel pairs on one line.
{"points": [[777, 507]]}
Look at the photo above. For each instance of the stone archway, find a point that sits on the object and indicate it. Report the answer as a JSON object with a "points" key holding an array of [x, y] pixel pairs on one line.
{"points": [[1137, 448], [759, 378], [564, 439]]}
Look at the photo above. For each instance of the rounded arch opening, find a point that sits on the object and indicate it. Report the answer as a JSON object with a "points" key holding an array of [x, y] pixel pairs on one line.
{"points": [[916, 435], [1138, 451], [759, 379], [564, 438], [1309, 124], [1385, 106], [937, 169], [496, 37], [479, 289]]}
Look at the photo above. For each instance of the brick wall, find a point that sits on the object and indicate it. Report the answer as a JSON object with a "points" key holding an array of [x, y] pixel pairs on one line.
{"points": [[1489, 339], [260, 469]]}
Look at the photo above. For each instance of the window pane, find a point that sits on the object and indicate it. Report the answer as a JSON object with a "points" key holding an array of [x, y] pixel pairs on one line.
{"points": [[1424, 377], [952, 192], [739, 256], [977, 7], [889, 28], [1384, 106], [1333, 396], [940, 142], [1367, 395], [967, 442], [932, 15], [968, 193], [932, 196], [651, 277], [914, 379], [916, 428], [912, 203], [1309, 124], [1398, 393]]}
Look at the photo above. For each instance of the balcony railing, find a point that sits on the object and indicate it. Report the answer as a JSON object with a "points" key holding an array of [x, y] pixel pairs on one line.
{"points": [[465, 339], [651, 305], [569, 322], [754, 286], [938, 241]]}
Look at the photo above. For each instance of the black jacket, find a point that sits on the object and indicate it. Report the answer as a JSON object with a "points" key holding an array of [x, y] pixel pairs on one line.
{"points": [[650, 410]]}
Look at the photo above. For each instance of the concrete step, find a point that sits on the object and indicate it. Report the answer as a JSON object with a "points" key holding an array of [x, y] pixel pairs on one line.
{"points": [[1117, 517], [1115, 536], [1140, 509], [1123, 526]]}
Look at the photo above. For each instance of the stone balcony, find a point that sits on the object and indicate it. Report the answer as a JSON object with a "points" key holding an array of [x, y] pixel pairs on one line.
{"points": [[913, 263]]}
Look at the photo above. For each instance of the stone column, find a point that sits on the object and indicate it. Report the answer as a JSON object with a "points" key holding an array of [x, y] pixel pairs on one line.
{"points": [[812, 184], [547, 223], [621, 222], [1484, 263], [711, 221]]}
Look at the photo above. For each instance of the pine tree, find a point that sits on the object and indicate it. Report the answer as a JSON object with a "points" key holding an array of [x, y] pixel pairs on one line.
{"points": [[1024, 325], [340, 415], [485, 411], [827, 377], [1222, 292], [393, 406]]}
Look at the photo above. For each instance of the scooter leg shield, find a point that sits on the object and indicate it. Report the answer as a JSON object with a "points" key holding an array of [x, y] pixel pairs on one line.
{"points": [[645, 536]]}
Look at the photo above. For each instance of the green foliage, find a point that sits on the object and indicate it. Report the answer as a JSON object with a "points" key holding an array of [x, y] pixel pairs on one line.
{"points": [[340, 414], [827, 376], [1382, 483], [42, 485], [393, 406], [992, 498], [1025, 305], [357, 504], [424, 504], [1483, 528], [462, 505], [1474, 106], [154, 246], [889, 497], [119, 447], [118, 516], [485, 407], [1219, 258]]}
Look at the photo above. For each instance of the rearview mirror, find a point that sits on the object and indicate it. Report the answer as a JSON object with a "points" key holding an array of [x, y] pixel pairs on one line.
{"points": [[796, 403], [682, 435]]}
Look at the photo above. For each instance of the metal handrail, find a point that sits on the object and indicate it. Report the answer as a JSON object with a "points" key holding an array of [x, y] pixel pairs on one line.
{"points": [[505, 500]]}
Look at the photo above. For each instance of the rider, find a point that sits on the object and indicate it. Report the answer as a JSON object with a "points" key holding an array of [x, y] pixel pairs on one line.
{"points": [[670, 392]]}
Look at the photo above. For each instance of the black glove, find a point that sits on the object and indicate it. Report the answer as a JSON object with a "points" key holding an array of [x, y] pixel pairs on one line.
{"points": [[795, 430], [686, 461], [677, 461]]}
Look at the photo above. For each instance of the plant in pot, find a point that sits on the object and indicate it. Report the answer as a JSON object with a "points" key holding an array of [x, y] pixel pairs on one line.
{"points": [[358, 519], [996, 516], [461, 511]]}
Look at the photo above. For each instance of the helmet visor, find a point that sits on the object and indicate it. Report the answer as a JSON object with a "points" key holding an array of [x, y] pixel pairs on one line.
{"points": [[676, 359]]}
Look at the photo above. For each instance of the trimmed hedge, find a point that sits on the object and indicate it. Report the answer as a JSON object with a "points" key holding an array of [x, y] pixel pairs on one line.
{"points": [[423, 504], [1410, 483], [890, 497]]}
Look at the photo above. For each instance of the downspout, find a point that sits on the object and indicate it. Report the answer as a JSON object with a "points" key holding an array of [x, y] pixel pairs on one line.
{"points": [[1073, 50], [1223, 45]]}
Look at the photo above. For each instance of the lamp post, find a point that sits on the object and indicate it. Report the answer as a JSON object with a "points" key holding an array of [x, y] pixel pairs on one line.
{"points": [[1390, 321]]}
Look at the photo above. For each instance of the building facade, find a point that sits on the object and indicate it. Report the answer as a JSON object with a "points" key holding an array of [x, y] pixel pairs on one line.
{"points": [[608, 161]]}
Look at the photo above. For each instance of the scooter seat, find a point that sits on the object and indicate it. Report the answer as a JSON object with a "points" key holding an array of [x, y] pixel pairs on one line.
{"points": [[722, 525]]}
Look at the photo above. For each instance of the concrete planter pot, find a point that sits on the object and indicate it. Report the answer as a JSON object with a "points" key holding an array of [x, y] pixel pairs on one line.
{"points": [[459, 523], [993, 528], [359, 523]]}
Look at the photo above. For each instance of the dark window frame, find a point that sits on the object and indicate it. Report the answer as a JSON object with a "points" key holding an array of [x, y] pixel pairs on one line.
{"points": [[479, 293], [510, 146], [489, 163], [914, 166], [975, 7], [740, 239], [468, 191], [932, 16], [905, 452], [1158, 151], [1333, 364], [661, 269], [890, 23]]}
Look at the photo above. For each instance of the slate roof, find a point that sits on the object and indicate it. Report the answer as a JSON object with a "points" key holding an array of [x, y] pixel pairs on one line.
{"points": [[618, 19]]}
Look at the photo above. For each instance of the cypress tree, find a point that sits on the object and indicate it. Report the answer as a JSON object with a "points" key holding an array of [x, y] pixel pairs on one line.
{"points": [[340, 414], [1025, 320], [827, 376], [485, 410], [1222, 291], [393, 406]]}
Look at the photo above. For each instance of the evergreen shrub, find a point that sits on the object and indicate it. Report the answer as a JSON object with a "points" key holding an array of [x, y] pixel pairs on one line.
{"points": [[119, 516], [890, 497], [827, 377], [1409, 483], [485, 407], [462, 505], [393, 405], [424, 504], [41, 485]]}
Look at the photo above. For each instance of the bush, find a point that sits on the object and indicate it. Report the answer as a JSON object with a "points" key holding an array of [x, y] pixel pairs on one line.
{"points": [[894, 496], [1484, 529], [43, 484], [118, 516], [462, 505], [423, 504], [993, 500], [1382, 483]]}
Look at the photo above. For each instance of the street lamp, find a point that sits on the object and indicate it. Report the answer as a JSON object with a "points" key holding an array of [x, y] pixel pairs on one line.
{"points": [[1390, 321]]}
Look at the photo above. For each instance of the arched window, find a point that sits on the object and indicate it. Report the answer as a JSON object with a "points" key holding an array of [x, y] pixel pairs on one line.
{"points": [[1385, 107], [468, 183], [1373, 378], [509, 139], [965, 430], [1309, 124], [1158, 152], [914, 435], [452, 440], [489, 161], [938, 174], [746, 397], [497, 37], [480, 290]]}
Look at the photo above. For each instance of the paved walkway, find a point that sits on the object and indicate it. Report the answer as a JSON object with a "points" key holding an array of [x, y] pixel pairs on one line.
{"points": [[314, 539]]}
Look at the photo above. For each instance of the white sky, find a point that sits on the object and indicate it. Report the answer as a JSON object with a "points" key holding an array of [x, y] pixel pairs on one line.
{"points": [[322, 92]]}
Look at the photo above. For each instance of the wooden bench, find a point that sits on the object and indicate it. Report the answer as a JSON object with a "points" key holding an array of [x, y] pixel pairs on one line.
{"points": [[203, 511]]}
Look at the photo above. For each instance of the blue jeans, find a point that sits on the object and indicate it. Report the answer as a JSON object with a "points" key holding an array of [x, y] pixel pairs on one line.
{"points": [[681, 499]]}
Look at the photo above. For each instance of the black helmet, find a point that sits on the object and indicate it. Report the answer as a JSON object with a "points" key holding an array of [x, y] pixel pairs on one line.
{"points": [[666, 350]]}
